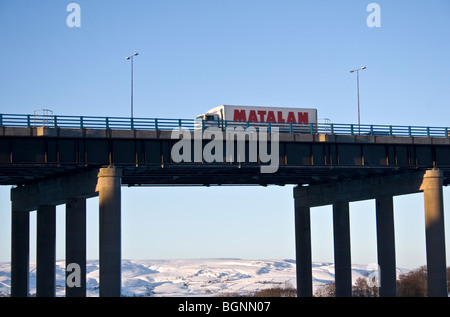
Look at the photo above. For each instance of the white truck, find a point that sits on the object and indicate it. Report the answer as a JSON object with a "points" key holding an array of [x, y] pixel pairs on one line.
{"points": [[297, 120]]}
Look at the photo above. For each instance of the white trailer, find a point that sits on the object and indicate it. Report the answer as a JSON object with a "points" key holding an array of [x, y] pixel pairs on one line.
{"points": [[285, 118]]}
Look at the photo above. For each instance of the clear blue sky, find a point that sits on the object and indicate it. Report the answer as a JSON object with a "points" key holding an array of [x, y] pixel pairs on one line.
{"points": [[195, 55]]}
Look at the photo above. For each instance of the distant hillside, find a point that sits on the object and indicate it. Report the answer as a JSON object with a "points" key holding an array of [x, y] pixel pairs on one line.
{"points": [[192, 277]]}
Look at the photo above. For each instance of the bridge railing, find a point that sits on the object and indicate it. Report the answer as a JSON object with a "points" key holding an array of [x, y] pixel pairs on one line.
{"points": [[92, 122]]}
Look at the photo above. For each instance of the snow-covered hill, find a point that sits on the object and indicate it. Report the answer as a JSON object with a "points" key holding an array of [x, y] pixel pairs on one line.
{"points": [[192, 277]]}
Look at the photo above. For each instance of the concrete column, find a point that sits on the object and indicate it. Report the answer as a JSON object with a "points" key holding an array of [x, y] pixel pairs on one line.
{"points": [[303, 251], [434, 233], [108, 187], [76, 245], [46, 251], [20, 252], [342, 256], [386, 246]]}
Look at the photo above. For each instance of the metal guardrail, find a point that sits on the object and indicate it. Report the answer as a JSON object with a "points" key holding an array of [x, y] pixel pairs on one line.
{"points": [[92, 122]]}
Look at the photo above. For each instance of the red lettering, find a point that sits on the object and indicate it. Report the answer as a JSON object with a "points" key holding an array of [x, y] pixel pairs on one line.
{"points": [[239, 115], [271, 117], [252, 116], [291, 117], [303, 117], [261, 113]]}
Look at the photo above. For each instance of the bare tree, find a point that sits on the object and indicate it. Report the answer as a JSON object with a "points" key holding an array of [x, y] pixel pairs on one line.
{"points": [[362, 289], [413, 283], [328, 290]]}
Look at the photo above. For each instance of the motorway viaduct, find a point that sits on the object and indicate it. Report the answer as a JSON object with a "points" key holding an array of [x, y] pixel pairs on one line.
{"points": [[54, 166]]}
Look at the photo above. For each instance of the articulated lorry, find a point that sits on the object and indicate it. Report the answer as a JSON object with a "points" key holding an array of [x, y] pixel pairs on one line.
{"points": [[286, 119]]}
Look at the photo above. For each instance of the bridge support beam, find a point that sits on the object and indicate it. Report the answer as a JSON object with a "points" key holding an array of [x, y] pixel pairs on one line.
{"points": [[46, 251], [381, 188], [342, 256], [435, 235], [386, 246], [108, 187], [303, 251], [20, 252], [72, 190], [76, 244]]}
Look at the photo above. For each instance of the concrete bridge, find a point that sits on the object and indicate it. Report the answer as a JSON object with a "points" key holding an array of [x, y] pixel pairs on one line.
{"points": [[50, 166]]}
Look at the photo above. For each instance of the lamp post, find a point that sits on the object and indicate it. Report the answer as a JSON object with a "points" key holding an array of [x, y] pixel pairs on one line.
{"points": [[131, 57], [357, 88]]}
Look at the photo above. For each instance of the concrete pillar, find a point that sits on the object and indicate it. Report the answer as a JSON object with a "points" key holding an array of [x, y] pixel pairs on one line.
{"points": [[342, 256], [434, 233], [46, 251], [76, 245], [108, 187], [303, 250], [386, 246], [20, 252]]}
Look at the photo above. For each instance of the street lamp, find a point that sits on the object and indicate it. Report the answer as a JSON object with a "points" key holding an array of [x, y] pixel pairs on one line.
{"points": [[131, 57], [357, 88]]}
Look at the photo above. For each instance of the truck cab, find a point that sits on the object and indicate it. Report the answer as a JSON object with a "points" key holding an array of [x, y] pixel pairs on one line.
{"points": [[206, 120]]}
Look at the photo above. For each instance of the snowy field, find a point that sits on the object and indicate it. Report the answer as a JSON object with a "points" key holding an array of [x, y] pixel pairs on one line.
{"points": [[193, 277]]}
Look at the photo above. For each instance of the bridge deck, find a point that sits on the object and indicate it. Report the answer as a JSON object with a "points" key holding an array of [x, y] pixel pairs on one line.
{"points": [[30, 154]]}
